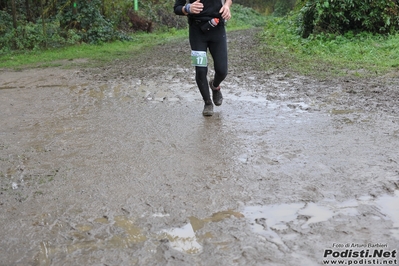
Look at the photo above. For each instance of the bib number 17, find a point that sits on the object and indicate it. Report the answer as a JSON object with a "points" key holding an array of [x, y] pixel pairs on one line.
{"points": [[198, 58]]}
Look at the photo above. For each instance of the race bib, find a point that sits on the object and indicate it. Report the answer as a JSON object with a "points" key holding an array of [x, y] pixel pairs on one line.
{"points": [[198, 58]]}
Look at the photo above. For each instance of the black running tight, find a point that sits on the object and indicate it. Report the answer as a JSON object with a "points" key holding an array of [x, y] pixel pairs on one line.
{"points": [[215, 41]]}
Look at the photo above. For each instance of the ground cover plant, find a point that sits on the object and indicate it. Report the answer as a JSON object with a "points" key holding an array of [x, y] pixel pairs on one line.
{"points": [[339, 17], [326, 54]]}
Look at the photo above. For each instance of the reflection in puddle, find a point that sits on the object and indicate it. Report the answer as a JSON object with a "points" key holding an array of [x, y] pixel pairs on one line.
{"points": [[132, 234], [183, 239], [85, 241], [216, 217], [268, 220], [390, 206], [90, 237], [316, 213]]}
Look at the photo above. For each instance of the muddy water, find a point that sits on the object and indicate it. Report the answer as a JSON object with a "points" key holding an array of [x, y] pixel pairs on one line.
{"points": [[128, 171]]}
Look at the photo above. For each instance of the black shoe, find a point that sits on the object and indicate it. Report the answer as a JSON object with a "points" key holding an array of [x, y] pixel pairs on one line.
{"points": [[208, 109], [217, 96]]}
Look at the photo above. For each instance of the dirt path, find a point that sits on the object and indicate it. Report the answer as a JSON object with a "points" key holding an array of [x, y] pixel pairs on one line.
{"points": [[117, 166]]}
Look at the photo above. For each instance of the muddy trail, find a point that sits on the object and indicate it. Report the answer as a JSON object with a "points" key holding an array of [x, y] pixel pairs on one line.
{"points": [[117, 166]]}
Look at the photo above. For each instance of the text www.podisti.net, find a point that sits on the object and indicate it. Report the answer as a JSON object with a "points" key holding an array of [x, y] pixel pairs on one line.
{"points": [[360, 257]]}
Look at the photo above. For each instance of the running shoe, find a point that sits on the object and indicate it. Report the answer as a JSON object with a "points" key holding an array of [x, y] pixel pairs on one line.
{"points": [[208, 109], [217, 96]]}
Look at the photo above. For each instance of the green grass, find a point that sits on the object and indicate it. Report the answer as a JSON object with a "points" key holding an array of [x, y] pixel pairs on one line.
{"points": [[363, 55], [244, 18], [96, 54]]}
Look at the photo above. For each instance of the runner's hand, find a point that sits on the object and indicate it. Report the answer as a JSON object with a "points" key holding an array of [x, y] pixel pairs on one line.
{"points": [[196, 7], [225, 11]]}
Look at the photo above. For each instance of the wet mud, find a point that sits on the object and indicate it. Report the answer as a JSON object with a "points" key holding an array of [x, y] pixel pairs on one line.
{"points": [[117, 166]]}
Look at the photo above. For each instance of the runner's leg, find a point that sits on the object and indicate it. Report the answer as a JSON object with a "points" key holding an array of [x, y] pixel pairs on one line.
{"points": [[198, 42], [218, 50]]}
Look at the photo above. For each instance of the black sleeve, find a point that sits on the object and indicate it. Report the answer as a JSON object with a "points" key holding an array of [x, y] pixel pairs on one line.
{"points": [[178, 7]]}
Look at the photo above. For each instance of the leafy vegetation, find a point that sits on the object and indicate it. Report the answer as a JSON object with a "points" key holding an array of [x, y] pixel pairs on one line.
{"points": [[339, 17], [102, 52], [269, 7], [341, 39], [327, 54], [28, 25], [33, 25]]}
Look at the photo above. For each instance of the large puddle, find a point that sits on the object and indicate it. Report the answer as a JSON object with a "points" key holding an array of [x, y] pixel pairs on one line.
{"points": [[268, 221], [130, 173]]}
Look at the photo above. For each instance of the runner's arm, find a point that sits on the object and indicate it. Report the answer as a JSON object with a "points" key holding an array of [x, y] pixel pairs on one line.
{"points": [[179, 7]]}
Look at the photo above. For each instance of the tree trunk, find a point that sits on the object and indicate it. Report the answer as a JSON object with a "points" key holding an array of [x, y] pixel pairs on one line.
{"points": [[28, 11], [14, 14], [43, 24]]}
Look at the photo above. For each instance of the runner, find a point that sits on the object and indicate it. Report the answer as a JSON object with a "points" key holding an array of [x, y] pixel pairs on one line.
{"points": [[206, 20]]}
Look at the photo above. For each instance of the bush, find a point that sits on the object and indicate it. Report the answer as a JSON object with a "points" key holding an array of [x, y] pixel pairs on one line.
{"points": [[92, 26], [338, 17], [283, 7], [6, 32], [64, 27]]}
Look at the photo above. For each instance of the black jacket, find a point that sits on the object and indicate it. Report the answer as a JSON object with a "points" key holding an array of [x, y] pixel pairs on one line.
{"points": [[211, 8]]}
